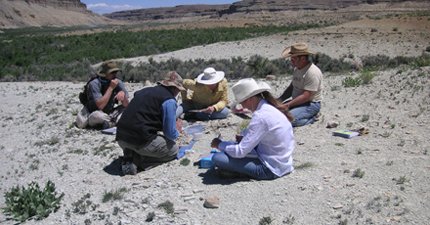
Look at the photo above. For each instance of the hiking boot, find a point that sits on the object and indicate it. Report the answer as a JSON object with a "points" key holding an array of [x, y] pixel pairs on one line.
{"points": [[107, 125], [129, 168]]}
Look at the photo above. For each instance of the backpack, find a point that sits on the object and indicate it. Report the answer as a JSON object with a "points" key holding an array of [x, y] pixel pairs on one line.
{"points": [[83, 97]]}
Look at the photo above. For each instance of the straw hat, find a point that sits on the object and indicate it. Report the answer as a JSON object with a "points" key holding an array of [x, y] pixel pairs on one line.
{"points": [[297, 49], [108, 67], [173, 79], [247, 88], [210, 76]]}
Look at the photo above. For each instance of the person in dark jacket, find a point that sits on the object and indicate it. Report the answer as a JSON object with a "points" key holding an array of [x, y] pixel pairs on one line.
{"points": [[150, 112]]}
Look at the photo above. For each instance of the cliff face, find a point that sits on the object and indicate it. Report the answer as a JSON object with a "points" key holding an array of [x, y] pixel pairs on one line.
{"points": [[37, 13], [181, 11], [241, 8]]}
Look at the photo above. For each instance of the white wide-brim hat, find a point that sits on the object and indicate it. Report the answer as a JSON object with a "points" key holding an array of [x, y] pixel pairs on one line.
{"points": [[247, 88], [210, 76]]}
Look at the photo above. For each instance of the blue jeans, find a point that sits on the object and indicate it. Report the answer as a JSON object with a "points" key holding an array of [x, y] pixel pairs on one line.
{"points": [[305, 113], [252, 167], [183, 108]]}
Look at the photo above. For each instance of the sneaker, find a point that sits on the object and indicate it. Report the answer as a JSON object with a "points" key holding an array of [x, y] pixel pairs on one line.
{"points": [[108, 124], [129, 168]]}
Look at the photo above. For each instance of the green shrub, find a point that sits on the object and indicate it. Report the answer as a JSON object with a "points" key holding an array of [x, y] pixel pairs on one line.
{"points": [[185, 162], [167, 206], [265, 221], [32, 202], [358, 173], [351, 82], [366, 77]]}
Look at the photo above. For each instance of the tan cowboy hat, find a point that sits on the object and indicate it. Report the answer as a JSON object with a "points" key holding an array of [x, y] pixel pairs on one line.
{"points": [[173, 79], [247, 88], [210, 76], [297, 49], [108, 67]]}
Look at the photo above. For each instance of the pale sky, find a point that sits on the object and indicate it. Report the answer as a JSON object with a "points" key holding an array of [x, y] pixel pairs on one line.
{"points": [[108, 6]]}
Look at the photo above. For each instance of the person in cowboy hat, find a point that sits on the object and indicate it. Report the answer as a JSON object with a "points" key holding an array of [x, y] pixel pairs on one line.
{"points": [[103, 92], [268, 137], [306, 87], [152, 110], [209, 95]]}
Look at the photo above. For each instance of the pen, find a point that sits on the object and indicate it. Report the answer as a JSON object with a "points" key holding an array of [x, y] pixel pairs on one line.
{"points": [[219, 136], [243, 131]]}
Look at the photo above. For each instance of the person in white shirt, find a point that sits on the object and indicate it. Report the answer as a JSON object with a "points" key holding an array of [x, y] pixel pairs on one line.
{"points": [[265, 150]]}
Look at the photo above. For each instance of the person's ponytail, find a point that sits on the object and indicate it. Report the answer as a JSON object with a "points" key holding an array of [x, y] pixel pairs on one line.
{"points": [[275, 103]]}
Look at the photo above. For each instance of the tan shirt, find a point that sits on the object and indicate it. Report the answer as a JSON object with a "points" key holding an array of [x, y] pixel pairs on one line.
{"points": [[203, 97], [309, 78]]}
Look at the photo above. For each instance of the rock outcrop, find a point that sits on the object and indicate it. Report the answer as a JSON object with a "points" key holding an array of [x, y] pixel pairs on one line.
{"points": [[38, 13], [180, 11], [242, 8]]}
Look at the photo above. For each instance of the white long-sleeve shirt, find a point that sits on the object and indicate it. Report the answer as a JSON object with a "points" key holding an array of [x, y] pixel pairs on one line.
{"points": [[272, 132]]}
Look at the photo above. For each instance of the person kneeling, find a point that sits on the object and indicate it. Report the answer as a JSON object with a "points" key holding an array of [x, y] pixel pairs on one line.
{"points": [[151, 110]]}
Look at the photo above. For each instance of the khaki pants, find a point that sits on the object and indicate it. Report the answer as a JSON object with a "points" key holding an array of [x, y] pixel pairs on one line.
{"points": [[97, 117], [160, 150]]}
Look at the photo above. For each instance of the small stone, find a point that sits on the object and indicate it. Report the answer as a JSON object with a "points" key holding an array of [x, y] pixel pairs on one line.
{"points": [[146, 185], [181, 211], [350, 185], [212, 202], [332, 124], [102, 210], [189, 198], [197, 191], [186, 195], [411, 132], [337, 206], [270, 77], [396, 218], [110, 145]]}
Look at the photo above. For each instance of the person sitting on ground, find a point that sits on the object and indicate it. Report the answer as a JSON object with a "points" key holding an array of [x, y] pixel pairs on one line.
{"points": [[209, 96], [103, 92], [269, 136], [306, 86], [150, 112]]}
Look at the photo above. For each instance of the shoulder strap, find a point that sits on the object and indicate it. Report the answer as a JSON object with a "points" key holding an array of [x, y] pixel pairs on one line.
{"points": [[86, 85]]}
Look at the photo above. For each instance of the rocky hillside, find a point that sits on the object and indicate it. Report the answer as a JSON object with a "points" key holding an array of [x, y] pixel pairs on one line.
{"points": [[37, 13]]}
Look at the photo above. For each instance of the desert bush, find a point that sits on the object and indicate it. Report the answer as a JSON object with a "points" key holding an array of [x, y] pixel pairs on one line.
{"points": [[47, 57], [32, 202], [167, 206], [358, 173], [114, 195], [367, 76], [327, 64], [351, 82], [377, 61], [44, 56]]}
